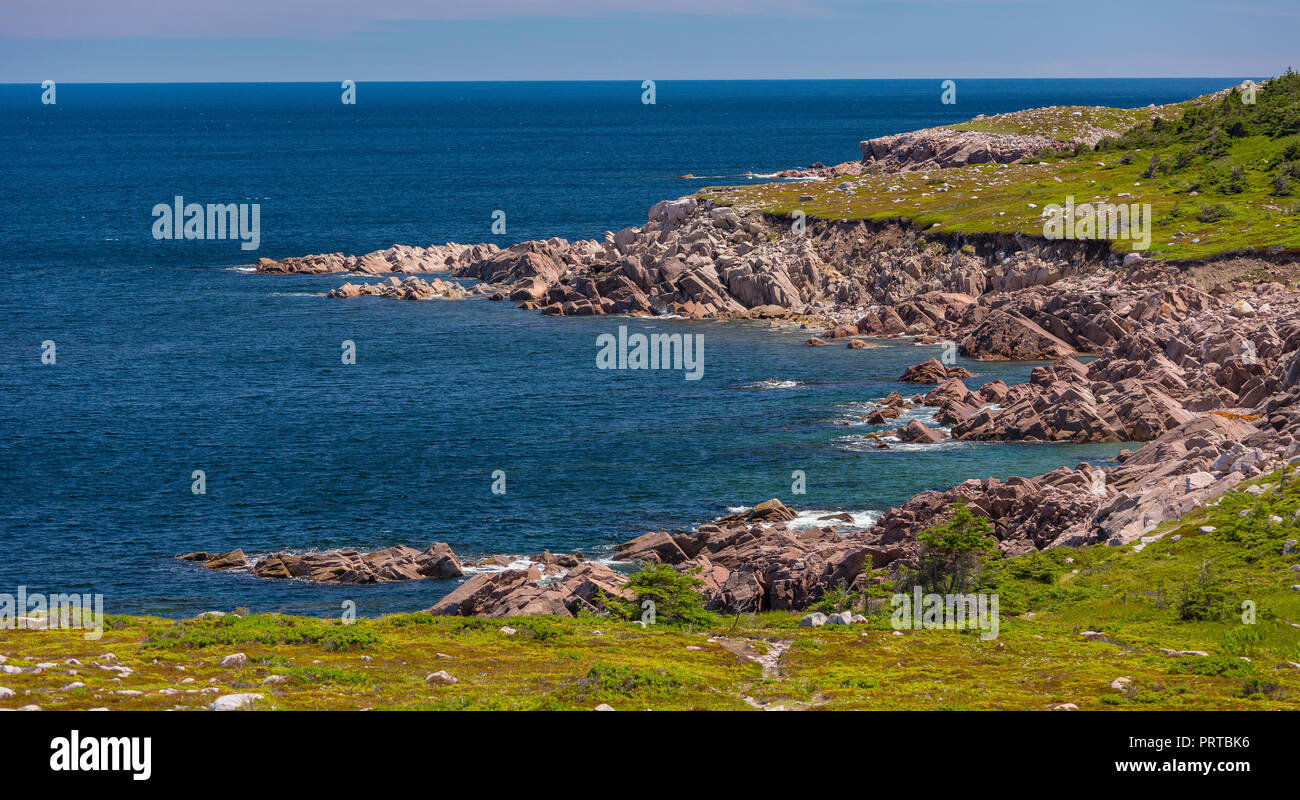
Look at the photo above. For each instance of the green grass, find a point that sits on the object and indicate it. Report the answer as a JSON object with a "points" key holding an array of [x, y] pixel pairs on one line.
{"points": [[1180, 595]]}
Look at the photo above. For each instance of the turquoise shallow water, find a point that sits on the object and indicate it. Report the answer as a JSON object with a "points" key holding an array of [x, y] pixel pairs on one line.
{"points": [[171, 359]]}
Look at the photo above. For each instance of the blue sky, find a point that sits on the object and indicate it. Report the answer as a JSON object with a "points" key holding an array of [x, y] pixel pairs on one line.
{"points": [[327, 40]]}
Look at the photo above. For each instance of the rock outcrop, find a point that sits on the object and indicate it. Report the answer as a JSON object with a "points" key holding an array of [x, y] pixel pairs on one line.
{"points": [[398, 258], [939, 148], [521, 592], [933, 371], [412, 288], [399, 563], [234, 559], [752, 560]]}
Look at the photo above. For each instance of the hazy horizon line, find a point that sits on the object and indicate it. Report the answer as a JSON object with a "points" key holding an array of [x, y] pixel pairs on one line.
{"points": [[639, 80]]}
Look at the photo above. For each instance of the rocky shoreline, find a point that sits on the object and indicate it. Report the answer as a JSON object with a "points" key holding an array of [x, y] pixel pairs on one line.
{"points": [[1198, 363]]}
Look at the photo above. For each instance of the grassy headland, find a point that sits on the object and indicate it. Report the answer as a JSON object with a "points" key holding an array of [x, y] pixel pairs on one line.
{"points": [[1221, 176]]}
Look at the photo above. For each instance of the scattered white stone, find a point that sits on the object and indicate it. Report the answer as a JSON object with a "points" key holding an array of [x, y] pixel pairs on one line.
{"points": [[1206, 529], [441, 678], [604, 707], [1065, 707], [234, 660], [273, 679], [6, 693], [842, 618], [508, 631], [235, 702], [73, 685], [1120, 683], [31, 707], [813, 620]]}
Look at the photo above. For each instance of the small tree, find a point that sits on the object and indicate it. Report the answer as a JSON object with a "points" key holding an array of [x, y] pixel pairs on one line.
{"points": [[953, 555], [676, 597], [1203, 598]]}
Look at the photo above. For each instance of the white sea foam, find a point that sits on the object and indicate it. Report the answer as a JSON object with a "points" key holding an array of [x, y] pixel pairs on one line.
{"points": [[772, 383], [811, 518], [855, 415], [519, 562]]}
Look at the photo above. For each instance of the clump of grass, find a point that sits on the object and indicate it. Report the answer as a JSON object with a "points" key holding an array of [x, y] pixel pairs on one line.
{"points": [[1257, 689], [329, 675], [608, 680], [1221, 666], [267, 629]]}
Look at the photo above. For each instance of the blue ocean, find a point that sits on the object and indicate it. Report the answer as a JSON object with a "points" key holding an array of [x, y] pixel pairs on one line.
{"points": [[171, 357]]}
